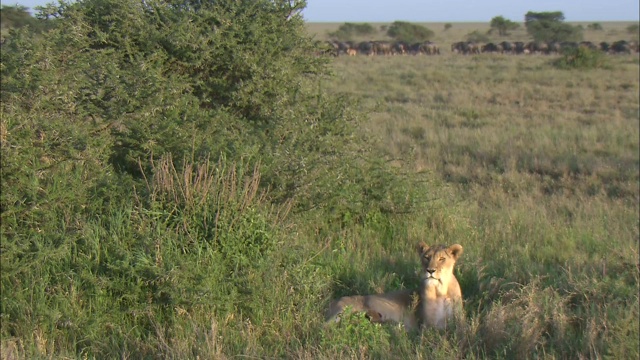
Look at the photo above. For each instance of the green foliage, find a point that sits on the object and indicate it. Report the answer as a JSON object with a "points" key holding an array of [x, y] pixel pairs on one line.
{"points": [[550, 27], [502, 25], [14, 17], [408, 32], [548, 16], [190, 242], [217, 203], [581, 58], [348, 31], [477, 36], [17, 17], [110, 239], [365, 191], [155, 79], [595, 27], [353, 334]]}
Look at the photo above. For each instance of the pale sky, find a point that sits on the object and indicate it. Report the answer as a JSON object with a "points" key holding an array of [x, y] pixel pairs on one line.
{"points": [[449, 10]]}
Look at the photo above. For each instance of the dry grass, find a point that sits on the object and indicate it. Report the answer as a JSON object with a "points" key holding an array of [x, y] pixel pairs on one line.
{"points": [[502, 119]]}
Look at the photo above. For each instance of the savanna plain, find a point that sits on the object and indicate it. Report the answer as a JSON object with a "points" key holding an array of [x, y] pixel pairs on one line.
{"points": [[533, 169]]}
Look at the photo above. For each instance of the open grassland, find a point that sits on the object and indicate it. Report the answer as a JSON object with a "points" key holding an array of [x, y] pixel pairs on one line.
{"points": [[540, 172], [611, 31], [532, 169]]}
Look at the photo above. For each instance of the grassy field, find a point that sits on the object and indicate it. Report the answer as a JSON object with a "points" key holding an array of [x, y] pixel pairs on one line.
{"points": [[611, 31], [534, 170], [537, 172]]}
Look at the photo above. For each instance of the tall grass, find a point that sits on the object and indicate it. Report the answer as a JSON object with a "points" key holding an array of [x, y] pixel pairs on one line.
{"points": [[147, 276]]}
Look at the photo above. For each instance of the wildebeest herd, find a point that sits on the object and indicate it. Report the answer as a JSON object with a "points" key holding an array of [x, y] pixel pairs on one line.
{"points": [[338, 48]]}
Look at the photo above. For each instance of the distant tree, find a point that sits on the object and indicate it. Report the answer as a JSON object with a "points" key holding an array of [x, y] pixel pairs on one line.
{"points": [[447, 26], [477, 36], [347, 31], [549, 16], [14, 16], [502, 25], [408, 32], [595, 27], [18, 16], [550, 26]]}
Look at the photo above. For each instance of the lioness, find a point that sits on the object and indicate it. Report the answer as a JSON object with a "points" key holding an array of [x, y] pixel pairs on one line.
{"points": [[439, 293]]}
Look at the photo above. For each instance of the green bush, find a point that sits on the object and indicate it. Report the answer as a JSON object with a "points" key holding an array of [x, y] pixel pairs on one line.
{"points": [[150, 152], [503, 25], [408, 32], [477, 36], [15, 17], [550, 27], [155, 79], [108, 282], [348, 31], [581, 58], [595, 27]]}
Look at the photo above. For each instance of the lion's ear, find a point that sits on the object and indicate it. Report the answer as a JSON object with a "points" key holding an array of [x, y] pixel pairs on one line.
{"points": [[422, 247], [455, 250]]}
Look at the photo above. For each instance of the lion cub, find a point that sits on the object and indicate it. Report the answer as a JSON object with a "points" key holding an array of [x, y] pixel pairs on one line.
{"points": [[432, 304]]}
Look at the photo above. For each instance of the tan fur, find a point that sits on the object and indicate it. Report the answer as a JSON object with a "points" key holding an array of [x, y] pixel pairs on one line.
{"points": [[440, 293], [394, 307], [432, 304]]}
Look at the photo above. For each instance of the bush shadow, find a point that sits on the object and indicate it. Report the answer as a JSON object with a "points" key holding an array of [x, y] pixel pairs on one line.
{"points": [[382, 275]]}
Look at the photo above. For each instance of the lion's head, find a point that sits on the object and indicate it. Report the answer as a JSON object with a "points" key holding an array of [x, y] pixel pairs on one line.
{"points": [[438, 262]]}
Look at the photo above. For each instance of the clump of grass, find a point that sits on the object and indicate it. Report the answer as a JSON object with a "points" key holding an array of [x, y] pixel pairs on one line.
{"points": [[212, 202], [354, 334], [415, 132]]}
